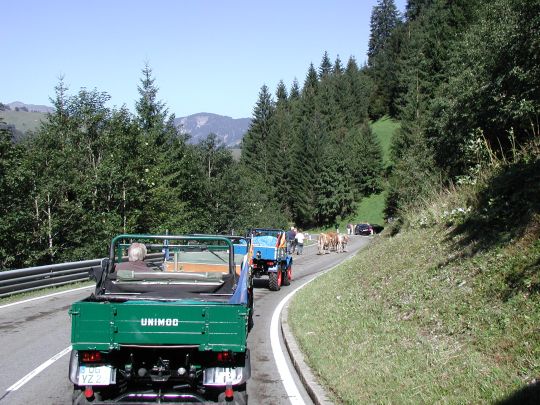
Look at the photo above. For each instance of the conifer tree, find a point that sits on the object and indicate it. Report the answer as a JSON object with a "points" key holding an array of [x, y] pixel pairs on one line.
{"points": [[334, 188], [158, 142], [295, 90], [304, 169], [311, 82], [384, 19], [283, 133], [256, 143], [415, 7], [151, 112], [281, 92], [383, 53], [356, 100], [338, 67], [325, 68], [366, 162]]}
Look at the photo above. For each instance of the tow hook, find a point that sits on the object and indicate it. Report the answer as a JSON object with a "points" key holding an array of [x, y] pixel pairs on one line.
{"points": [[229, 393], [161, 371], [89, 392]]}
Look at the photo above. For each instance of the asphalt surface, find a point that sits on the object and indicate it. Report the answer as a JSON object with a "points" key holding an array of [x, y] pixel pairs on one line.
{"points": [[33, 332]]}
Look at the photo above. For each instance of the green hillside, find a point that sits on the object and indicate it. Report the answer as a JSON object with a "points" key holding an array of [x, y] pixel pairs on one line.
{"points": [[23, 121], [384, 129], [370, 209], [445, 311]]}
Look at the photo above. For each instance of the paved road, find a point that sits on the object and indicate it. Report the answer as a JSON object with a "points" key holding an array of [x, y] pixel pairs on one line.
{"points": [[35, 331]]}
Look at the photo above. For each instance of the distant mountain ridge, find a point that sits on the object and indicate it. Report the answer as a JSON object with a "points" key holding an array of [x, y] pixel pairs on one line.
{"points": [[229, 130], [18, 105]]}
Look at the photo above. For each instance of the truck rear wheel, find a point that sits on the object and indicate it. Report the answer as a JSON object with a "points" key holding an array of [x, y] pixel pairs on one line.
{"points": [[274, 280]]}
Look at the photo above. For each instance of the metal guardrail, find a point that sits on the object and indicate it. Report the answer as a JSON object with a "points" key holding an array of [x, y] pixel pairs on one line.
{"points": [[34, 278], [52, 275]]}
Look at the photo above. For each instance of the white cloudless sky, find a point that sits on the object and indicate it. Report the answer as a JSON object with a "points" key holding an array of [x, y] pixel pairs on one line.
{"points": [[206, 56]]}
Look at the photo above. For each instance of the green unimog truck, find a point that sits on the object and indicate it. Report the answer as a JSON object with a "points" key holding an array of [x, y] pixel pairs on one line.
{"points": [[169, 329]]}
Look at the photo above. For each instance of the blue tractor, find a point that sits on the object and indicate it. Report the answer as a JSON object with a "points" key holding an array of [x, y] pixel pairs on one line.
{"points": [[270, 257]]}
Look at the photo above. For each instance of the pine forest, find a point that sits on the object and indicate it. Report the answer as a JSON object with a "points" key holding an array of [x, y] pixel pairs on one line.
{"points": [[462, 77]]}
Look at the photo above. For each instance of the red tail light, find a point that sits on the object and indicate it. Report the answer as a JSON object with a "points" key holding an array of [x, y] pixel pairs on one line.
{"points": [[91, 357], [224, 357], [270, 263]]}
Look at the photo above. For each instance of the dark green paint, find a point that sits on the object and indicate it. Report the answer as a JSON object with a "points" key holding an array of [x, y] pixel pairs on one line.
{"points": [[108, 326]]}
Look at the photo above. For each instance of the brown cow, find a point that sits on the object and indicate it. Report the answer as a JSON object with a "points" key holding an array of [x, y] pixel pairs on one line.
{"points": [[322, 243], [333, 241], [342, 243]]}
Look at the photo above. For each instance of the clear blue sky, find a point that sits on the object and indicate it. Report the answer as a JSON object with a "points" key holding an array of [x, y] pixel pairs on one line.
{"points": [[206, 56]]}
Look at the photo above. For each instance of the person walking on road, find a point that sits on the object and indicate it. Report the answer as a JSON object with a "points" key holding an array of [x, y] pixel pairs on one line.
{"points": [[289, 237], [299, 242]]}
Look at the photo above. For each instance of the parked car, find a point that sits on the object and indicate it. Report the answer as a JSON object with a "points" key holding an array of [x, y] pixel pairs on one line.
{"points": [[363, 229]]}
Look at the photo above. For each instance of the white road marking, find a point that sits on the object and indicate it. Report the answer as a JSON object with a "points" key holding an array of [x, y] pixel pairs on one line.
{"points": [[279, 357], [45, 296], [38, 370]]}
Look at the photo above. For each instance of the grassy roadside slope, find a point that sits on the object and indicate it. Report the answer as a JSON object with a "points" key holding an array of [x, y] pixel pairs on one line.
{"points": [[446, 311]]}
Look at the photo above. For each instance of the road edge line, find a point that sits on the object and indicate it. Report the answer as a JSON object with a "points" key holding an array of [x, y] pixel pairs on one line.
{"points": [[279, 357], [38, 369], [45, 296], [315, 390]]}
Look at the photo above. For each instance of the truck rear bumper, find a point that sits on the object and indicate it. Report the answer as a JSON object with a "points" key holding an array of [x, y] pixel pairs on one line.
{"points": [[221, 376]]}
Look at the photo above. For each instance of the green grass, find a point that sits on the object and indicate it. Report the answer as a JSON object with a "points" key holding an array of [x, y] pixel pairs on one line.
{"points": [[446, 311], [370, 209], [392, 326], [384, 129]]}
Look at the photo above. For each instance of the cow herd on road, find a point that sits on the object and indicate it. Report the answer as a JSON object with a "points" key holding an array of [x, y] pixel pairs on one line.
{"points": [[329, 241]]}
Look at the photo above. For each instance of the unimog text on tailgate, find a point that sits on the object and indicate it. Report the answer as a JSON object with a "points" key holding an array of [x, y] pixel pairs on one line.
{"points": [[168, 326]]}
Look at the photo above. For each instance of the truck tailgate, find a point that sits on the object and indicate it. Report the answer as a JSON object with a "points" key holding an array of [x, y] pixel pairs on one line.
{"points": [[110, 325]]}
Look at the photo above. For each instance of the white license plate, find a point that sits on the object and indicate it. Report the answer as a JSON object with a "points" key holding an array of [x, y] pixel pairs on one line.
{"points": [[96, 375]]}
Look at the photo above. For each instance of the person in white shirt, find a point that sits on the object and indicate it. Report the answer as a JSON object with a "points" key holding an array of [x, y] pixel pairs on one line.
{"points": [[299, 242]]}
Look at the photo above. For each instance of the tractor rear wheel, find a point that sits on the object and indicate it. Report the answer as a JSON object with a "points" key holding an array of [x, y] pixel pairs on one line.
{"points": [[274, 281], [287, 275]]}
